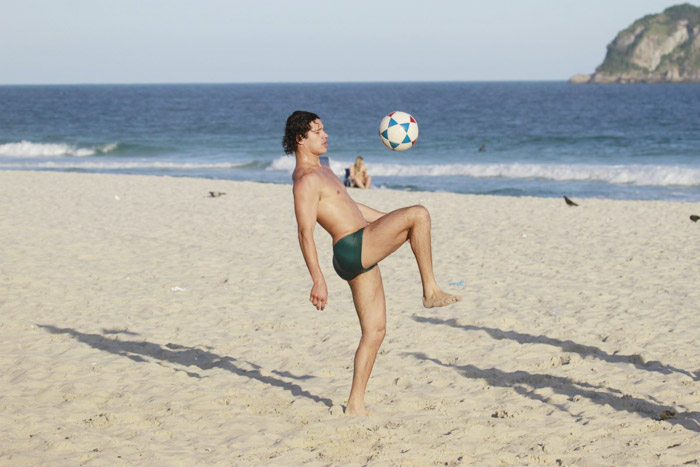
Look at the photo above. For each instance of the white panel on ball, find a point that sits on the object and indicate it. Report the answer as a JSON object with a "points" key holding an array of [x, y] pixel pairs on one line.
{"points": [[398, 131]]}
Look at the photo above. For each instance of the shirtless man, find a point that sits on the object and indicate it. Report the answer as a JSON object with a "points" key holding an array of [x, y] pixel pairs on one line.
{"points": [[362, 237]]}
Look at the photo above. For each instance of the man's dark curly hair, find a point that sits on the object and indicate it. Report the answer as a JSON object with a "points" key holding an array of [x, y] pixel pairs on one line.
{"points": [[298, 126]]}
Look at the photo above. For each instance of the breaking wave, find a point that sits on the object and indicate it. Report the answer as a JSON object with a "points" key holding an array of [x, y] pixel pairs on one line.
{"points": [[85, 165], [30, 149], [641, 175]]}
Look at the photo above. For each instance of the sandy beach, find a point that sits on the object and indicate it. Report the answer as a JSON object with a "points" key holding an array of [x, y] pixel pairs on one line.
{"points": [[145, 322]]}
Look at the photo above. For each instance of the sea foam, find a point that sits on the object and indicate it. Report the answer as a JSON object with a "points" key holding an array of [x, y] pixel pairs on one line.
{"points": [[641, 175], [30, 149], [118, 165], [649, 175]]}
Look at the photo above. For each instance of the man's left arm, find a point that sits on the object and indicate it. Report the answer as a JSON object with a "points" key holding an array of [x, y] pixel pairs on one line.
{"points": [[369, 213]]}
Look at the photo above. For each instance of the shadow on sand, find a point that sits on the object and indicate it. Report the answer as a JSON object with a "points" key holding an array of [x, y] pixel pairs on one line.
{"points": [[566, 346], [527, 384], [187, 357]]}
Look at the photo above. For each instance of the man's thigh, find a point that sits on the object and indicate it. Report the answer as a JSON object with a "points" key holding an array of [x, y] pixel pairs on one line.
{"points": [[368, 297], [385, 235]]}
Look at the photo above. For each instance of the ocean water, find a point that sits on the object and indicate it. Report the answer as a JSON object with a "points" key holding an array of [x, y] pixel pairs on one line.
{"points": [[544, 139]]}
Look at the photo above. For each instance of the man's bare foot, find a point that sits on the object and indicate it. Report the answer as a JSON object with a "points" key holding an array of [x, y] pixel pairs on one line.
{"points": [[440, 298], [356, 412]]}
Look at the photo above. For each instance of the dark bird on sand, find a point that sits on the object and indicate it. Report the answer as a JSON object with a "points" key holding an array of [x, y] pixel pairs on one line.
{"points": [[569, 202], [694, 218], [216, 194]]}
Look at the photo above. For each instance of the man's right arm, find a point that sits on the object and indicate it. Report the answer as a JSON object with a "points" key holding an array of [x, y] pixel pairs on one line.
{"points": [[307, 192]]}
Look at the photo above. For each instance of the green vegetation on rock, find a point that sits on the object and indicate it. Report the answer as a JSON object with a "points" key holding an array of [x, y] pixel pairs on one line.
{"points": [[656, 48]]}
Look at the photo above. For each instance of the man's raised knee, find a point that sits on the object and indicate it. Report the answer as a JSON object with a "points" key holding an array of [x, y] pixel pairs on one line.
{"points": [[420, 214]]}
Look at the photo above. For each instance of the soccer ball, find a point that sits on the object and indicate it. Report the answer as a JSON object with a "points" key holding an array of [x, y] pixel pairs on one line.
{"points": [[398, 131]]}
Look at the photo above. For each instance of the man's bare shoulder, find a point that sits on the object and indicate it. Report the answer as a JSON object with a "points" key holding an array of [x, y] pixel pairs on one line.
{"points": [[306, 182], [306, 177], [320, 180]]}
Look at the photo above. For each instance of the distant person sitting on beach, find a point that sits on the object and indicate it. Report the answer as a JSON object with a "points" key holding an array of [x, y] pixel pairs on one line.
{"points": [[362, 237], [358, 174]]}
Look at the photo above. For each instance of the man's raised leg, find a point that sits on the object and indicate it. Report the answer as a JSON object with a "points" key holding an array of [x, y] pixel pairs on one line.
{"points": [[385, 235], [368, 296]]}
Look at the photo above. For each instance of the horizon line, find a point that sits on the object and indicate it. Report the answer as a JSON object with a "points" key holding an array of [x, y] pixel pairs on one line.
{"points": [[175, 83]]}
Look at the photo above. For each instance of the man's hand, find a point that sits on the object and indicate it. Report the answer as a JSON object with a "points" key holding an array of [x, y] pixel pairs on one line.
{"points": [[319, 294]]}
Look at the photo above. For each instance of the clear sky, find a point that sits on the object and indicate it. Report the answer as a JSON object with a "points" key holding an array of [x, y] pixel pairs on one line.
{"points": [[204, 41]]}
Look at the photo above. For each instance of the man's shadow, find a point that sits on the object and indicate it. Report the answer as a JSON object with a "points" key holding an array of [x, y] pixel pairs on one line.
{"points": [[520, 380], [185, 356], [566, 346], [526, 384]]}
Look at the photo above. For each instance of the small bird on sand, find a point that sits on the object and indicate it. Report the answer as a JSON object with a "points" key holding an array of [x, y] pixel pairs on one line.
{"points": [[569, 202], [694, 218], [215, 194]]}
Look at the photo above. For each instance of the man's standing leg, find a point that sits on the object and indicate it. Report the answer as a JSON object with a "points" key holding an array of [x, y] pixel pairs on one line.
{"points": [[368, 296]]}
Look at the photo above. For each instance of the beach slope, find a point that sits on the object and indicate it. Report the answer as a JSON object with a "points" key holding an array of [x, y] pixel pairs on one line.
{"points": [[146, 322]]}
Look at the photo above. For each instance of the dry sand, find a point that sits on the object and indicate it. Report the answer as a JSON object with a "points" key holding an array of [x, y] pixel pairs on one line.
{"points": [[146, 323]]}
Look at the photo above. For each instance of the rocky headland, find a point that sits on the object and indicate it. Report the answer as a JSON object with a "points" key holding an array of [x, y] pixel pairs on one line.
{"points": [[657, 48]]}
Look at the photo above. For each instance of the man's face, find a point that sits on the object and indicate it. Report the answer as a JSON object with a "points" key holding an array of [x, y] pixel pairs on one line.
{"points": [[316, 140]]}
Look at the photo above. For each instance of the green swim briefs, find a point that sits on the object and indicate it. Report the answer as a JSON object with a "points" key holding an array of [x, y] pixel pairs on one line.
{"points": [[347, 256]]}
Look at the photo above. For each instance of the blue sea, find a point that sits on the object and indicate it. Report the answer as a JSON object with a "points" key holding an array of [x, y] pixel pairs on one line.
{"points": [[543, 139]]}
